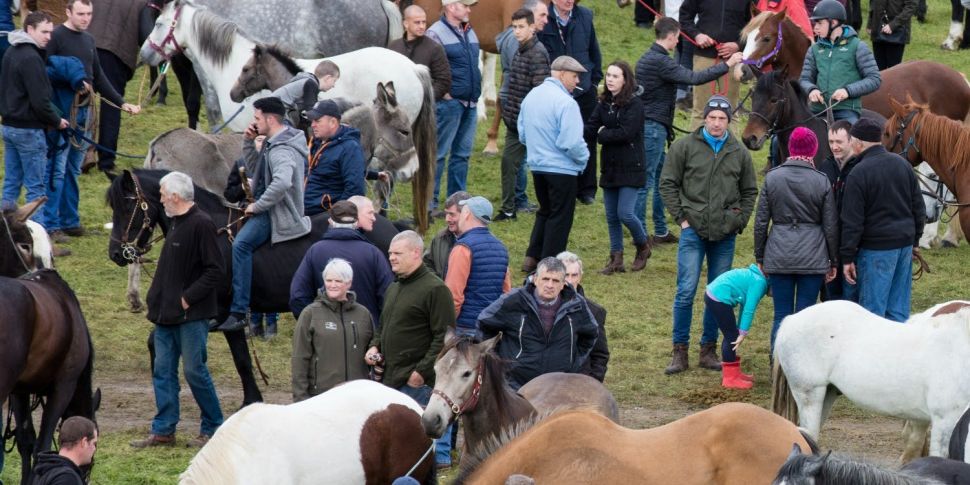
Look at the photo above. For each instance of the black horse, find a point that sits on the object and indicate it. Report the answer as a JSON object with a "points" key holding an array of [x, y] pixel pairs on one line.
{"points": [[45, 347]]}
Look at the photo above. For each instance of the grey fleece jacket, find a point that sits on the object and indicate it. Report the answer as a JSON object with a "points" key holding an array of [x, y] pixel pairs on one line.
{"points": [[278, 182]]}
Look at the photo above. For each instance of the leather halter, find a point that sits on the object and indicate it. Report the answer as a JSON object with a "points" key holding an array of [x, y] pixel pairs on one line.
{"points": [[901, 131], [472, 401], [130, 249], [767, 57], [169, 38]]}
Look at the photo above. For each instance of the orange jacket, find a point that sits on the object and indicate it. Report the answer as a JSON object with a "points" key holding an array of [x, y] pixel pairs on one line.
{"points": [[795, 9]]}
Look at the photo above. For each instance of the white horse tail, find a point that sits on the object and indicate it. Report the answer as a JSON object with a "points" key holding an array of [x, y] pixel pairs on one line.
{"points": [[958, 440], [424, 132], [395, 25], [782, 401]]}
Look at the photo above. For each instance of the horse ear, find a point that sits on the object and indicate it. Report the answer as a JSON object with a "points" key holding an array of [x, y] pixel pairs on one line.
{"points": [[896, 107], [450, 334], [780, 16], [795, 451], [487, 345], [28, 209], [813, 465]]}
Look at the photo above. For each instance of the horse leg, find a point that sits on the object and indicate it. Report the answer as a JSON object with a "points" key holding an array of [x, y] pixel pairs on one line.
{"points": [[133, 292], [57, 401], [930, 236], [955, 35], [810, 407], [486, 64], [941, 427], [244, 366], [914, 437], [831, 393], [24, 433], [491, 146], [954, 233]]}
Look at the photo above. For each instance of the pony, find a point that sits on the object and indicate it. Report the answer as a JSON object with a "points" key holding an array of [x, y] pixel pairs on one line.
{"points": [[828, 469], [918, 134], [45, 347], [772, 40], [726, 444], [839, 347], [470, 383], [935, 197], [358, 432]]}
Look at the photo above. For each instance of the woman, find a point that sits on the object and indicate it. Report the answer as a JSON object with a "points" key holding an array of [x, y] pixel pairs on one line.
{"points": [[800, 250], [331, 336], [617, 123], [889, 27]]}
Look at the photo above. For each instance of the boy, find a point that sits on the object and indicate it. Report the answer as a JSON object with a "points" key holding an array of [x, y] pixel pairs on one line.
{"points": [[301, 92]]}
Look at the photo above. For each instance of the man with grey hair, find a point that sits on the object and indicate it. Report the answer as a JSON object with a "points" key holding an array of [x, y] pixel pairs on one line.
{"points": [[436, 256], [181, 300], [599, 357], [366, 215], [546, 326]]}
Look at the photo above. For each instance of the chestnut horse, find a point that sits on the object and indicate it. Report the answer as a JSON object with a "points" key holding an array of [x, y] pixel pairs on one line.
{"points": [[731, 443]]}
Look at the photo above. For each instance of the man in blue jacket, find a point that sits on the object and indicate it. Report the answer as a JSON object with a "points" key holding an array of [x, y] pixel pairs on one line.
{"points": [[551, 128], [336, 167]]}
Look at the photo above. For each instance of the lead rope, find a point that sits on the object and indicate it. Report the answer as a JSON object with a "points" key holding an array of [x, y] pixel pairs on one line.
{"points": [[423, 457]]}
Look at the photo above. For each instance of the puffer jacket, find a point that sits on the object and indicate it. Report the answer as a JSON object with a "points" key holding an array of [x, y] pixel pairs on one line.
{"points": [[461, 46], [898, 13], [659, 74], [577, 40], [335, 172], [278, 182], [798, 204], [619, 129], [528, 69]]}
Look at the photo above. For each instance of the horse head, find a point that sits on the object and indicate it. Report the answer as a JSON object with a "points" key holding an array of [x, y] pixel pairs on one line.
{"points": [[899, 132], [769, 104], [133, 218], [394, 147], [459, 373], [167, 37], [17, 253], [800, 469], [268, 68]]}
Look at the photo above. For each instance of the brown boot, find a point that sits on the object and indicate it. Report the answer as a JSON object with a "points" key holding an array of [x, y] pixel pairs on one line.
{"points": [[615, 265], [529, 264], [643, 254], [679, 361], [154, 440], [709, 359]]}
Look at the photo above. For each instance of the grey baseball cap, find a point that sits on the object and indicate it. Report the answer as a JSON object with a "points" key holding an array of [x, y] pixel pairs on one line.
{"points": [[480, 207], [566, 63]]}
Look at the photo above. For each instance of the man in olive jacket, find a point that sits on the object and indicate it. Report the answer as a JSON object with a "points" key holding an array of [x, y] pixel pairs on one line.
{"points": [[708, 184]]}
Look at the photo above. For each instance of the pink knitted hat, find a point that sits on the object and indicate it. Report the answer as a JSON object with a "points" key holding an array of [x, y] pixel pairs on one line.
{"points": [[802, 143]]}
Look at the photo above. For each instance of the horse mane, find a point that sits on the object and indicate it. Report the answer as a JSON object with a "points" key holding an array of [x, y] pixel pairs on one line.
{"points": [[842, 469], [280, 55], [775, 77], [214, 463], [754, 24], [948, 138], [473, 459], [215, 35]]}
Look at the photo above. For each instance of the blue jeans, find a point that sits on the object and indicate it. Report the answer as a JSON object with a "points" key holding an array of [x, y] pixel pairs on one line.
{"points": [[792, 293], [442, 446], [885, 281], [187, 340], [619, 203], [24, 161], [456, 135], [845, 114], [654, 141], [63, 193], [254, 234], [691, 250], [256, 320]]}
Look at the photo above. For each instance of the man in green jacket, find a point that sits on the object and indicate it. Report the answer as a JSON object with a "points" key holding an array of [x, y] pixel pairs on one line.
{"points": [[418, 309], [709, 187]]}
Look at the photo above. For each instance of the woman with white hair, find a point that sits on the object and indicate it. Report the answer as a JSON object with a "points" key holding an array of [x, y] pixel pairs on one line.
{"points": [[331, 336]]}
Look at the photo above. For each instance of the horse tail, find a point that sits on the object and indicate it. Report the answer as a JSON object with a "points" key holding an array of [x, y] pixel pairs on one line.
{"points": [[782, 401], [423, 131], [958, 440]]}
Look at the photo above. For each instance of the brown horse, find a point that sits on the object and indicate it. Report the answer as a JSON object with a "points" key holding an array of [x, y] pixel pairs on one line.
{"points": [[45, 348], [916, 133], [470, 382], [767, 46], [732, 443]]}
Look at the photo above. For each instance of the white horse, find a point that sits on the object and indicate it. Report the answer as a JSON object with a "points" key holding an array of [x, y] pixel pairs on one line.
{"points": [[358, 432], [934, 193], [913, 371]]}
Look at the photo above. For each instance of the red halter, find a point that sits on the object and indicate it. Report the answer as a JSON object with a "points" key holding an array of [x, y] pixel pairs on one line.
{"points": [[169, 38], [472, 401]]}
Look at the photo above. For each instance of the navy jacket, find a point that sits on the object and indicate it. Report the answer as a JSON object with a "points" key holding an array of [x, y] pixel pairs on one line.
{"points": [[461, 47], [335, 171], [490, 262], [578, 40]]}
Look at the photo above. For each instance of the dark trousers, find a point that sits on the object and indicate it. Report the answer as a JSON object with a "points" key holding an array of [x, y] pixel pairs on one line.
{"points": [[513, 156], [641, 14], [191, 88], [556, 194], [791, 294], [586, 182], [118, 74], [887, 55], [726, 320]]}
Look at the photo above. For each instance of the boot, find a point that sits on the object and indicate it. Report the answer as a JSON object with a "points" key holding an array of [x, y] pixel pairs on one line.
{"points": [[731, 376], [709, 358], [747, 377], [615, 265], [679, 361], [643, 254], [529, 264]]}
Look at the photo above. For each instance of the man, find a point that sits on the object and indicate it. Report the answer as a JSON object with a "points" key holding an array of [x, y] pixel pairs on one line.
{"points": [[372, 273], [882, 220], [436, 256], [716, 26], [550, 125], [527, 68], [456, 112], [277, 215], [659, 76], [837, 167], [422, 50], [336, 167], [417, 312], [78, 442], [71, 39], [6, 25], [183, 297], [571, 33], [546, 327], [366, 215], [26, 110], [839, 68], [709, 187], [599, 356], [478, 268]]}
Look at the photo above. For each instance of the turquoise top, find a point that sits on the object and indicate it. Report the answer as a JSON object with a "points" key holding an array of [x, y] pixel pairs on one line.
{"points": [[742, 286]]}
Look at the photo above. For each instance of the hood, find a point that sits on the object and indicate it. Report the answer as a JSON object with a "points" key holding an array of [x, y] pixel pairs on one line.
{"points": [[343, 234], [344, 133], [756, 270], [50, 460], [19, 36], [333, 304], [293, 138]]}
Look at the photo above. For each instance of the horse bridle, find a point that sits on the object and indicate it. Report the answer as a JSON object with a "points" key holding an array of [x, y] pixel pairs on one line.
{"points": [[767, 57], [13, 243], [772, 124], [169, 38], [472, 401], [901, 131], [130, 250]]}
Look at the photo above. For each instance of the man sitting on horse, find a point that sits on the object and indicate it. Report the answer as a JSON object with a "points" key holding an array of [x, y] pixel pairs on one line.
{"points": [[336, 167], [277, 215]]}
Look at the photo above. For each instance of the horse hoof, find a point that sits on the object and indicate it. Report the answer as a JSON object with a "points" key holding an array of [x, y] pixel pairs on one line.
{"points": [[948, 244], [490, 149], [622, 3]]}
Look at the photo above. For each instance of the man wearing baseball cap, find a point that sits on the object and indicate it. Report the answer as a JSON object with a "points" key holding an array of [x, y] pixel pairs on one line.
{"points": [[336, 166]]}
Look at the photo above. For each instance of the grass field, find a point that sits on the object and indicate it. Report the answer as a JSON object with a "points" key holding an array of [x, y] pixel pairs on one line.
{"points": [[639, 304]]}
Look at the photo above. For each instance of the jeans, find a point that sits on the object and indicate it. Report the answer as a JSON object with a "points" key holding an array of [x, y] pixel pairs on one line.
{"points": [[728, 323], [654, 140], [456, 135], [691, 250], [513, 173], [63, 193], [24, 161], [885, 281], [792, 293], [845, 114], [556, 194], [187, 340], [254, 234], [619, 203], [442, 446], [256, 320]]}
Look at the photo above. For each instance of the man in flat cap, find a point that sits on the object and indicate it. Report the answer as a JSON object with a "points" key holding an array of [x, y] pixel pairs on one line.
{"points": [[882, 221], [551, 128], [336, 166]]}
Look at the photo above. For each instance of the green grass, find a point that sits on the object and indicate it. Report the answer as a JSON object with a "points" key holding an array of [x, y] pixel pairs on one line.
{"points": [[639, 304]]}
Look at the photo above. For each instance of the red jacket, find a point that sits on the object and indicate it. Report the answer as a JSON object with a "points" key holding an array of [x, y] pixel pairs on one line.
{"points": [[796, 12]]}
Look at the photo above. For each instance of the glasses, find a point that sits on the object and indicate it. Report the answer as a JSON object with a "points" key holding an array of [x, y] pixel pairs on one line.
{"points": [[716, 103]]}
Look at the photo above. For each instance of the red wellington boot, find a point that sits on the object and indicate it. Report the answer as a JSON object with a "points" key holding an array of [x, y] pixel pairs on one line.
{"points": [[731, 376], [747, 377]]}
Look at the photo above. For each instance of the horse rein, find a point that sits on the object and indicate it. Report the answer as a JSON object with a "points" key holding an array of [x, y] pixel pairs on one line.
{"points": [[169, 38], [900, 132], [468, 405]]}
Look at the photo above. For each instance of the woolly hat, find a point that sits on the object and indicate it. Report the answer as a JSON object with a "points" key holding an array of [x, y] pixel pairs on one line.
{"points": [[867, 130], [803, 143], [270, 105], [718, 102]]}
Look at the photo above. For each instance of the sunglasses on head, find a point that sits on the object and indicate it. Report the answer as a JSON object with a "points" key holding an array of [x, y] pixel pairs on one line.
{"points": [[719, 104]]}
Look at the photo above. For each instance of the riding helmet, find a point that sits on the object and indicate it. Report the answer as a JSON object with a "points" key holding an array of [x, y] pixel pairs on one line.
{"points": [[829, 9]]}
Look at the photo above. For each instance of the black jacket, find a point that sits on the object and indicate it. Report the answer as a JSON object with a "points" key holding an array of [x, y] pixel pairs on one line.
{"points": [[721, 20], [659, 74], [599, 357], [578, 40], [189, 267], [427, 52], [25, 91], [54, 469], [897, 13], [837, 175], [619, 129], [882, 207], [528, 69]]}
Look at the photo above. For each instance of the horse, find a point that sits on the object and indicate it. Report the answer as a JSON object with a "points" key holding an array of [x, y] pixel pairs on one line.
{"points": [[839, 347], [916, 133], [730, 443], [772, 40], [935, 197], [358, 432], [470, 383], [45, 347], [944, 470], [828, 469]]}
